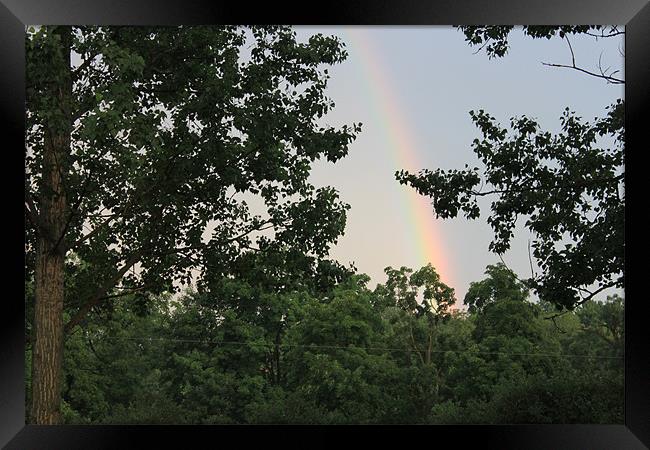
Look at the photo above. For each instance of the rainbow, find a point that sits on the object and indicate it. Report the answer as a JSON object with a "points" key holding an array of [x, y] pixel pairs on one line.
{"points": [[427, 243]]}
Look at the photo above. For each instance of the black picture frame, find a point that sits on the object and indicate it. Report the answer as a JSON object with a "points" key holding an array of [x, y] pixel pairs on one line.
{"points": [[16, 14]]}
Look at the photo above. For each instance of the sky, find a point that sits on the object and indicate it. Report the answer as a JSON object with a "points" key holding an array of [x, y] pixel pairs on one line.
{"points": [[412, 89]]}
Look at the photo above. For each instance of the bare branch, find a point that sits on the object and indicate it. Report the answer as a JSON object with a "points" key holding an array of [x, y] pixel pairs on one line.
{"points": [[614, 32], [603, 75], [511, 271], [530, 260], [487, 41], [603, 72], [593, 294], [610, 79], [573, 55]]}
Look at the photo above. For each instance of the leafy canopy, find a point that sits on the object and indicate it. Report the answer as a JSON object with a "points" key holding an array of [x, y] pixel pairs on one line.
{"points": [[568, 186], [174, 132]]}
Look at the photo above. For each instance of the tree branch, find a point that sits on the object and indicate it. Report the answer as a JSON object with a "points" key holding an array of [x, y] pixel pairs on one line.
{"points": [[100, 293], [35, 218], [126, 291], [260, 227], [511, 271], [415, 347], [487, 41], [603, 35], [73, 210], [94, 231], [573, 55], [597, 291], [557, 326], [610, 79], [518, 188], [92, 348], [111, 217], [530, 260]]}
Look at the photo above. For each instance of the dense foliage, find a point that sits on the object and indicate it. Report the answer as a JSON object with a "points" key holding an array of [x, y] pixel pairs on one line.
{"points": [[146, 146], [167, 149], [342, 353]]}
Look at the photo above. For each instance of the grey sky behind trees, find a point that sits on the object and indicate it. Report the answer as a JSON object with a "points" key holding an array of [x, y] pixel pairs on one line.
{"points": [[414, 87]]}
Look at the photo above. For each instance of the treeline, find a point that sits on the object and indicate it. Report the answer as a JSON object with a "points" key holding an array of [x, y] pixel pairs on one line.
{"points": [[285, 339]]}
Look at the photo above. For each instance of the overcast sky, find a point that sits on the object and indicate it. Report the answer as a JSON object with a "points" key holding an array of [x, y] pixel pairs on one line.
{"points": [[413, 88]]}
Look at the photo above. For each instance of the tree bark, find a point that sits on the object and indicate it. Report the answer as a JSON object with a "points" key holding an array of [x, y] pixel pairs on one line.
{"points": [[50, 254]]}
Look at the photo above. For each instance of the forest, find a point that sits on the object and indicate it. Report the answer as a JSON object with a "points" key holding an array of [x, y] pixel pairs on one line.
{"points": [[155, 293], [288, 342]]}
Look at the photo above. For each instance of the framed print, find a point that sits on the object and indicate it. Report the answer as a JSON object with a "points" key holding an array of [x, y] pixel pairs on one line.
{"points": [[380, 218]]}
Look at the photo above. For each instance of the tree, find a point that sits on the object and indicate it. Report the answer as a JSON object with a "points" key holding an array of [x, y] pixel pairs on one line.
{"points": [[512, 338], [210, 357], [112, 367], [501, 284], [141, 141], [601, 331], [568, 185], [417, 305], [559, 399], [336, 359], [424, 298]]}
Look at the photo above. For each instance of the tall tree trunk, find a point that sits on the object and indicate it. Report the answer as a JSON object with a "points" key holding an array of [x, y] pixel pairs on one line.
{"points": [[277, 356], [50, 254]]}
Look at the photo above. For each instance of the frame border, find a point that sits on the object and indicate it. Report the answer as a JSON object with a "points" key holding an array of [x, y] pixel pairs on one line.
{"points": [[16, 14]]}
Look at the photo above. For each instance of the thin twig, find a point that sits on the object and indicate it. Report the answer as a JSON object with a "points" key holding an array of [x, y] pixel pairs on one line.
{"points": [[603, 35], [573, 55], [482, 46], [530, 260], [557, 326], [603, 75], [612, 80]]}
